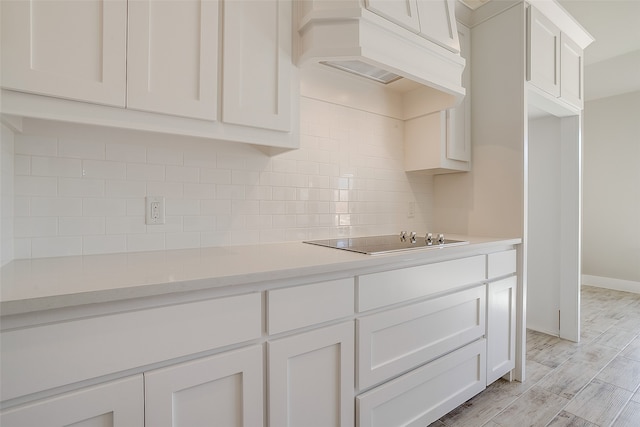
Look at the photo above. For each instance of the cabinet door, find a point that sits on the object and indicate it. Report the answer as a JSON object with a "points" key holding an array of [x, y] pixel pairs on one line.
{"points": [[257, 64], [115, 404], [403, 12], [172, 60], [571, 83], [223, 390], [438, 22], [459, 135], [501, 328], [543, 67], [311, 378], [68, 49]]}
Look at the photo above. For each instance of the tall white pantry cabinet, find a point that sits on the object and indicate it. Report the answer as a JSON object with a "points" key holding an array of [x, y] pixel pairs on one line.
{"points": [[212, 68]]}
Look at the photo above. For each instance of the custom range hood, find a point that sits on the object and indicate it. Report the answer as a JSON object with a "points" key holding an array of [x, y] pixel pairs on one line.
{"points": [[385, 41]]}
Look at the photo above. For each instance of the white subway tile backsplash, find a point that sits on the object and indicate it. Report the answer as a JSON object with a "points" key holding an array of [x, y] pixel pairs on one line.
{"points": [[104, 169], [35, 226], [36, 145], [182, 174], [55, 166], [145, 242], [165, 156], [92, 245], [55, 206], [21, 165], [80, 226], [125, 225], [104, 207], [126, 153], [35, 186], [126, 189], [56, 246], [81, 149], [80, 187], [139, 172], [88, 196]]}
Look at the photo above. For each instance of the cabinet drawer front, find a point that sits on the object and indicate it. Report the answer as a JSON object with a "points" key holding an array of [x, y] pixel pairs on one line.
{"points": [[301, 306], [424, 395], [396, 341], [43, 357], [119, 404], [390, 287], [501, 264]]}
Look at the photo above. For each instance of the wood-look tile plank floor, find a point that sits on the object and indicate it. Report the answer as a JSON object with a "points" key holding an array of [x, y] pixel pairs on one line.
{"points": [[594, 383]]}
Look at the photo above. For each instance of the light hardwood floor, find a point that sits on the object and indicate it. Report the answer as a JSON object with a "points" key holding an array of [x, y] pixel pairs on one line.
{"points": [[593, 383]]}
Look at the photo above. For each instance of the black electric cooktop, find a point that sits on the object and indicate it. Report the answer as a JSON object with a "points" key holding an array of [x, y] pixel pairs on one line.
{"points": [[375, 245]]}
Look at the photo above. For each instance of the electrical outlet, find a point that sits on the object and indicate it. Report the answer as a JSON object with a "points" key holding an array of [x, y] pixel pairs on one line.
{"points": [[154, 210], [411, 211]]}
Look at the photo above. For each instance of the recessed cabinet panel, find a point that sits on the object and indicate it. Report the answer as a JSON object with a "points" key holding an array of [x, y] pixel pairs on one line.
{"points": [[395, 341], [571, 87], [420, 397], [403, 12], [257, 64], [311, 378], [501, 328], [68, 49], [115, 404], [438, 23], [223, 390], [172, 61], [543, 68]]}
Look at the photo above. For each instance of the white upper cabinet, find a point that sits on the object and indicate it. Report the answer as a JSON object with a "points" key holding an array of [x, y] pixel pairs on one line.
{"points": [[572, 85], [257, 50], [555, 62], [172, 57], [68, 49], [432, 19], [544, 54]]}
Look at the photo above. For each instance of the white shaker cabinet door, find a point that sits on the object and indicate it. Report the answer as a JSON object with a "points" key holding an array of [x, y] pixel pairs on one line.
{"points": [[257, 64], [311, 378], [543, 67], [66, 48], [172, 58], [501, 328], [571, 81], [221, 390], [115, 404]]}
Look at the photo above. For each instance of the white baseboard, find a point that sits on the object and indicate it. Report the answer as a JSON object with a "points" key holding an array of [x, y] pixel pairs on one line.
{"points": [[611, 283]]}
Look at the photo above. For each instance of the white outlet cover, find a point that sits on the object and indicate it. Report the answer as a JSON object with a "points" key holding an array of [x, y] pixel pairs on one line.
{"points": [[154, 210]]}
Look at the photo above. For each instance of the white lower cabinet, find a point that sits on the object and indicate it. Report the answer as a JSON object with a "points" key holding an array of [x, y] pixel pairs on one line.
{"points": [[422, 396], [396, 341], [311, 378], [501, 327], [224, 390], [113, 404]]}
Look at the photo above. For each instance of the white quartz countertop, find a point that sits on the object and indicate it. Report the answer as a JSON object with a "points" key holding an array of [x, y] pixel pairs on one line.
{"points": [[50, 283]]}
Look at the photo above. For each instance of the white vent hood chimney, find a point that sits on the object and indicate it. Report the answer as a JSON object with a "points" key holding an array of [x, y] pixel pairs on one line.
{"points": [[385, 40]]}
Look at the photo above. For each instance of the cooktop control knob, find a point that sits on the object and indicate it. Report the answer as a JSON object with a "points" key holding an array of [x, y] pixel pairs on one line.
{"points": [[413, 236], [429, 238], [403, 236], [441, 239]]}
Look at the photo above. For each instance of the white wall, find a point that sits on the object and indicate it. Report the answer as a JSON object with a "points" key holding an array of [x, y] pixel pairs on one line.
{"points": [[80, 190], [611, 193], [6, 194]]}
